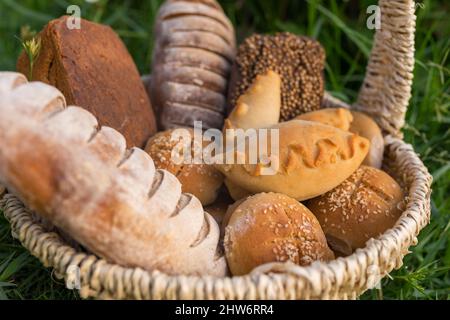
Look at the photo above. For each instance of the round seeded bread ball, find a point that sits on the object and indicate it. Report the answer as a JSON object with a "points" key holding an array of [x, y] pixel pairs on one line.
{"points": [[271, 227], [364, 206], [201, 180]]}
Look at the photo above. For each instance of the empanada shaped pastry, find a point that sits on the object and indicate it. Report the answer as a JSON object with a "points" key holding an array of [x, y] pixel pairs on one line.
{"points": [[307, 160]]}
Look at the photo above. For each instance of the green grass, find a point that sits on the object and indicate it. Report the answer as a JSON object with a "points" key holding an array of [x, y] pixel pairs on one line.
{"points": [[340, 27]]}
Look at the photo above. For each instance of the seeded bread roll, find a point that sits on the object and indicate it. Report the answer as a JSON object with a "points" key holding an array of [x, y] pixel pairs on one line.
{"points": [[270, 227], [113, 201], [92, 68], [336, 117], [201, 180], [366, 127], [299, 61], [194, 49], [312, 159], [364, 206]]}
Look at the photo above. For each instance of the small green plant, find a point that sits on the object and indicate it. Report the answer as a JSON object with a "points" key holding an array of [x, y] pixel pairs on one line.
{"points": [[32, 46]]}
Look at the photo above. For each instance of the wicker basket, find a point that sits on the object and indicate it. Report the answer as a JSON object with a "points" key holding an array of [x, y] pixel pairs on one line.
{"points": [[384, 95]]}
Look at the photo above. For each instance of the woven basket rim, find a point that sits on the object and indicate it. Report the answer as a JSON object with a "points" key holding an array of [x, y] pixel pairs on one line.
{"points": [[316, 279]]}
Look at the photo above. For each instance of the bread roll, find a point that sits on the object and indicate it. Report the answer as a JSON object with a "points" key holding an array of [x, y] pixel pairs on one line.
{"points": [[201, 180], [336, 117], [364, 126], [92, 68], [271, 227], [364, 206], [312, 159], [114, 202], [194, 49]]}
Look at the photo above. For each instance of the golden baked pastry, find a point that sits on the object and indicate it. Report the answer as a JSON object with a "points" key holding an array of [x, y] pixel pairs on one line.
{"points": [[336, 117], [355, 122], [259, 106], [313, 159], [366, 127], [270, 227], [364, 206], [201, 180]]}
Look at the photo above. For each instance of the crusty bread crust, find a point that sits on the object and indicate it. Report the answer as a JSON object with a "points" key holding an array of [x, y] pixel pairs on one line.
{"points": [[362, 207], [81, 63], [271, 227], [112, 201], [194, 49]]}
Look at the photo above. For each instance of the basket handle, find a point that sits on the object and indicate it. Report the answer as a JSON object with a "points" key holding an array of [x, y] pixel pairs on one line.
{"points": [[386, 89]]}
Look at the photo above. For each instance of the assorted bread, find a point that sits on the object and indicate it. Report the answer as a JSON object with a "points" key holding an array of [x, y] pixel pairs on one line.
{"points": [[193, 53], [144, 208], [79, 61], [80, 176]]}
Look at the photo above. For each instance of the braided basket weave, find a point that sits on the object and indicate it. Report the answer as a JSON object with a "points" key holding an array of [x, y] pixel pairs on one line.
{"points": [[384, 95]]}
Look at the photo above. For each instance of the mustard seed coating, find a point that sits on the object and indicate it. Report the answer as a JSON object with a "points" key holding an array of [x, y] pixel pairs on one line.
{"points": [[298, 60]]}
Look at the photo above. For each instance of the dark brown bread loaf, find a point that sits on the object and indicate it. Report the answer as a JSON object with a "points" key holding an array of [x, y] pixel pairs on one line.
{"points": [[194, 50], [92, 68]]}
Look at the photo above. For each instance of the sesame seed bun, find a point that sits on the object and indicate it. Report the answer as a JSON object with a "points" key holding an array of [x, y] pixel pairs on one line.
{"points": [[362, 207], [201, 180], [271, 227]]}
